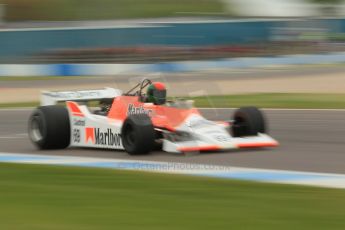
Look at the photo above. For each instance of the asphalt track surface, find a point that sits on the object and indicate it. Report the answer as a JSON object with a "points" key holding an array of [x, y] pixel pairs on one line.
{"points": [[310, 140]]}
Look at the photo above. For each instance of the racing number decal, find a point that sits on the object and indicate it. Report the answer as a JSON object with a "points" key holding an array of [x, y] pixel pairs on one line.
{"points": [[76, 135]]}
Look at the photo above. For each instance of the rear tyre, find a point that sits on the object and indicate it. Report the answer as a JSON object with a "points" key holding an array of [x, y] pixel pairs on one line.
{"points": [[138, 134], [248, 121], [49, 127]]}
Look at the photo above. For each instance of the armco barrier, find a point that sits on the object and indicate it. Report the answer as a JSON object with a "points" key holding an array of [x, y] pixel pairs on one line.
{"points": [[25, 42], [17, 43], [114, 69]]}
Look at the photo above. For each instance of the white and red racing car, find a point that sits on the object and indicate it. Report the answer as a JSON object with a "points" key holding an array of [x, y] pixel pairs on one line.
{"points": [[137, 123]]}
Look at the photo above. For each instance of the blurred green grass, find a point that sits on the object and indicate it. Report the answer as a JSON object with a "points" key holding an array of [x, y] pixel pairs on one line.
{"points": [[105, 9], [19, 104], [275, 100], [36, 197], [262, 100], [37, 78]]}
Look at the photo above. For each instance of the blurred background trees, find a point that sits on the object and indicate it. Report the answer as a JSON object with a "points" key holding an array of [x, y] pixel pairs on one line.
{"points": [[64, 10], [17, 10]]}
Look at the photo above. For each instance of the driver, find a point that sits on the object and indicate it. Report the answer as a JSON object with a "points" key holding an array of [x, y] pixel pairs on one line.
{"points": [[156, 93], [105, 105]]}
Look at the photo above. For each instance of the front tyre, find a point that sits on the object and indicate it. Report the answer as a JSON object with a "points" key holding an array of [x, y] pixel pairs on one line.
{"points": [[49, 127], [248, 121], [138, 134]]}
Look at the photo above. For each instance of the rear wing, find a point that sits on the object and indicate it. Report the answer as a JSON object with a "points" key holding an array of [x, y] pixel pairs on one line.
{"points": [[54, 97]]}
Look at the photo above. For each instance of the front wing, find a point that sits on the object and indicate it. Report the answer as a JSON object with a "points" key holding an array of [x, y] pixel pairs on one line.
{"points": [[259, 141]]}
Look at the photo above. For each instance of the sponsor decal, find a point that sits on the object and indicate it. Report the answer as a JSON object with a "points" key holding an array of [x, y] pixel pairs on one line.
{"points": [[221, 138], [78, 122], [132, 109], [105, 138]]}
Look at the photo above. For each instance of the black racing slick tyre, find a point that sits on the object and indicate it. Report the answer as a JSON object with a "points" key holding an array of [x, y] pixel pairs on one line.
{"points": [[49, 127], [248, 121], [138, 134]]}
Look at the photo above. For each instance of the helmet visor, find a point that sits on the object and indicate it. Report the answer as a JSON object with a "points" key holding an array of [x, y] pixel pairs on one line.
{"points": [[160, 96]]}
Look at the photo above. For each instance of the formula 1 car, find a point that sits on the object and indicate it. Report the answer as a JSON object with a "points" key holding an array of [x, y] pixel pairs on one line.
{"points": [[139, 122]]}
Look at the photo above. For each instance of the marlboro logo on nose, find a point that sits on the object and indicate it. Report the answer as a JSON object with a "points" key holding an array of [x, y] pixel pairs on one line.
{"points": [[138, 110]]}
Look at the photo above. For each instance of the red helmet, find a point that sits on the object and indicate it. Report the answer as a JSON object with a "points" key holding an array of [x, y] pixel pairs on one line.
{"points": [[156, 93]]}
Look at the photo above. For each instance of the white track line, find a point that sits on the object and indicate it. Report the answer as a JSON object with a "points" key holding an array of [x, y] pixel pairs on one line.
{"points": [[15, 136]]}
